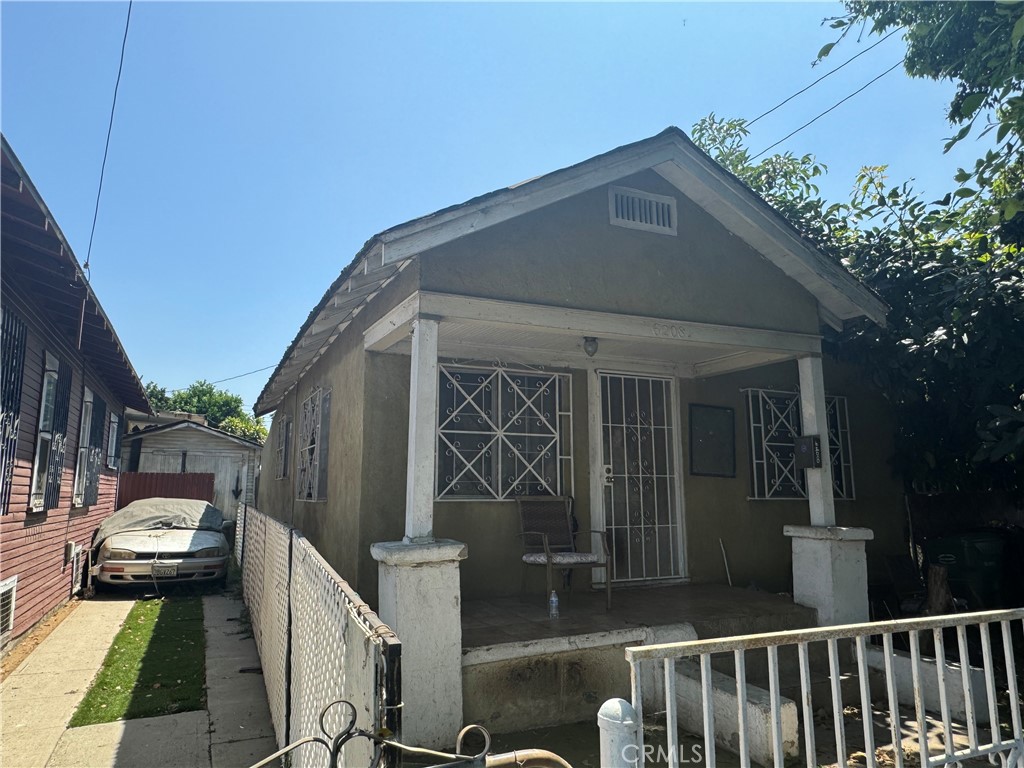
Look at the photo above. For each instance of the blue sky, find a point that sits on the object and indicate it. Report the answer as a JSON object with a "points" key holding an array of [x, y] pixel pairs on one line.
{"points": [[257, 146]]}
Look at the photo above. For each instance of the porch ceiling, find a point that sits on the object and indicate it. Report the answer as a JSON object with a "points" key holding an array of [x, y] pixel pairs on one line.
{"points": [[480, 329]]}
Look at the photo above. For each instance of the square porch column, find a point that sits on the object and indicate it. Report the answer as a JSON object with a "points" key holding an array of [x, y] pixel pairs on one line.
{"points": [[829, 562], [418, 578]]}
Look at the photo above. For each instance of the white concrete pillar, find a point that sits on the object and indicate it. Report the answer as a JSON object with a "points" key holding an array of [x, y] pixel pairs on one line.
{"points": [[830, 571], [815, 422], [420, 599], [829, 563], [620, 735], [419, 487]]}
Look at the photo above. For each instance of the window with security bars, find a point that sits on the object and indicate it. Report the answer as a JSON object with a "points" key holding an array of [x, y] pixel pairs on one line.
{"points": [[114, 442], [51, 434], [775, 422], [282, 448], [503, 433], [12, 345], [311, 451]]}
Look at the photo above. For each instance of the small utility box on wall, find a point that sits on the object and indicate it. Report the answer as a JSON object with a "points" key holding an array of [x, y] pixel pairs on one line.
{"points": [[808, 452]]}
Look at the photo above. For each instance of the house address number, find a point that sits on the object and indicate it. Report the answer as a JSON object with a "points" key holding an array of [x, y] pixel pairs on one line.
{"points": [[670, 331]]}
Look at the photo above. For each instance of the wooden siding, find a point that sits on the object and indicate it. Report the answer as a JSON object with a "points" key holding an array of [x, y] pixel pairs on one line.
{"points": [[204, 452], [32, 544], [148, 485]]}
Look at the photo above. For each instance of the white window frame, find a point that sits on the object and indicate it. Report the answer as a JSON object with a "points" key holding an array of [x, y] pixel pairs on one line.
{"points": [[283, 447], [44, 432], [113, 425], [497, 435], [9, 585], [82, 461], [653, 210], [762, 426]]}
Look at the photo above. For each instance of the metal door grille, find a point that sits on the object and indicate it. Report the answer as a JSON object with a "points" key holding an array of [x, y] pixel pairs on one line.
{"points": [[640, 504]]}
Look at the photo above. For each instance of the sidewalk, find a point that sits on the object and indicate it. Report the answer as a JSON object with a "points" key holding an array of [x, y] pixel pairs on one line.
{"points": [[41, 695]]}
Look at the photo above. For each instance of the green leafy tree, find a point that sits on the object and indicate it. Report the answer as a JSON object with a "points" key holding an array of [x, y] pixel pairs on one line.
{"points": [[221, 408], [979, 46], [157, 397], [204, 398], [951, 355], [245, 426]]}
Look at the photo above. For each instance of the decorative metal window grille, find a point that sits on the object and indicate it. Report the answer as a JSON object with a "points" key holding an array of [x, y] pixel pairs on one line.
{"points": [[283, 447], [12, 375], [311, 453], [114, 442], [774, 423], [51, 434], [8, 593], [636, 209], [503, 433], [82, 463]]}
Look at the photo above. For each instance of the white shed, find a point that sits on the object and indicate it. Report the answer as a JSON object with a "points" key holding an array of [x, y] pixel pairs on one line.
{"points": [[186, 447]]}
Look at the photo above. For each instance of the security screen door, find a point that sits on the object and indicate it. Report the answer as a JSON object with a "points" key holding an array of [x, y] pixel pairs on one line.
{"points": [[640, 504]]}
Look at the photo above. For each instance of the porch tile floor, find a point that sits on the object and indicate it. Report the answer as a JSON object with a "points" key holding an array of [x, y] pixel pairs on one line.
{"points": [[714, 611]]}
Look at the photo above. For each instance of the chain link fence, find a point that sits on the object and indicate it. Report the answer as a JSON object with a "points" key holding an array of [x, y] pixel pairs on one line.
{"points": [[318, 643]]}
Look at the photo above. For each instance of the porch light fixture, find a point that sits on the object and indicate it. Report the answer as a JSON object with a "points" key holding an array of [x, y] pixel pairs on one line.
{"points": [[590, 345]]}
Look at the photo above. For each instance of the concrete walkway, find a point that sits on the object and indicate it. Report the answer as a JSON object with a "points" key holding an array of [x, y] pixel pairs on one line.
{"points": [[42, 694]]}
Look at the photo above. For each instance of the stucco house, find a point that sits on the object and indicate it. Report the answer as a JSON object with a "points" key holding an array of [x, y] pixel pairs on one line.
{"points": [[66, 384], [638, 331]]}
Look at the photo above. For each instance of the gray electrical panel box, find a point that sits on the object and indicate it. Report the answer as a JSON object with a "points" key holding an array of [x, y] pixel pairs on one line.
{"points": [[808, 452]]}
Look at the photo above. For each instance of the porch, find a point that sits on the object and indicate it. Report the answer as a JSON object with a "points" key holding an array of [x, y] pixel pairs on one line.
{"points": [[522, 670], [589, 405], [714, 610]]}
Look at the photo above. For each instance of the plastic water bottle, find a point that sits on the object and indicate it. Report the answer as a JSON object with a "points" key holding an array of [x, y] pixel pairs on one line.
{"points": [[553, 605]]}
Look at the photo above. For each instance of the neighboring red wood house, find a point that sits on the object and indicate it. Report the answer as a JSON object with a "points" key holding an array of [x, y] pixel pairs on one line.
{"points": [[66, 381]]}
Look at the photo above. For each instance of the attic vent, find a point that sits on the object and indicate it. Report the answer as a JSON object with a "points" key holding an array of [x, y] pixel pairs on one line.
{"points": [[642, 210], [7, 592]]}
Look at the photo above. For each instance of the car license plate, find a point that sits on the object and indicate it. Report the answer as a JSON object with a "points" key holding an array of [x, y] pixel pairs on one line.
{"points": [[165, 570]]}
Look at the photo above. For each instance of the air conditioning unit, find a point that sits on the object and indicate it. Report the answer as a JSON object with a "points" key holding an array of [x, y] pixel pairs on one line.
{"points": [[73, 556]]}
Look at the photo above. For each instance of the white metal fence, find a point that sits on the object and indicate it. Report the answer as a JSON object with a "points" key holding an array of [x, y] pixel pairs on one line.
{"points": [[930, 691], [318, 643]]}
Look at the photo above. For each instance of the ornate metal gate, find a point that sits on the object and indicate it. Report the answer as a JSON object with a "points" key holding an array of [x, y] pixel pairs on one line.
{"points": [[640, 491]]}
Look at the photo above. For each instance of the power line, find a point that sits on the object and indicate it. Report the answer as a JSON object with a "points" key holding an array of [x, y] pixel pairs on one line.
{"points": [[819, 116], [832, 72], [106, 148], [229, 378]]}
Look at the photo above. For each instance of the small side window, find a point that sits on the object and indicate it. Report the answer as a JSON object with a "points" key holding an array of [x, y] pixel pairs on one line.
{"points": [[283, 447]]}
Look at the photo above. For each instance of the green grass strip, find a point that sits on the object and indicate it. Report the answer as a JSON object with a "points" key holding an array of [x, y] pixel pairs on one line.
{"points": [[156, 665]]}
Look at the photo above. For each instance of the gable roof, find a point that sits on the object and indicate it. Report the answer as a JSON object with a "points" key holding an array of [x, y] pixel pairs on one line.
{"points": [[36, 251], [670, 153], [186, 424]]}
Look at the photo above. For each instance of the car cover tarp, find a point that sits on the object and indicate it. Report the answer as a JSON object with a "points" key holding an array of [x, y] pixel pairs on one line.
{"points": [[149, 514]]}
